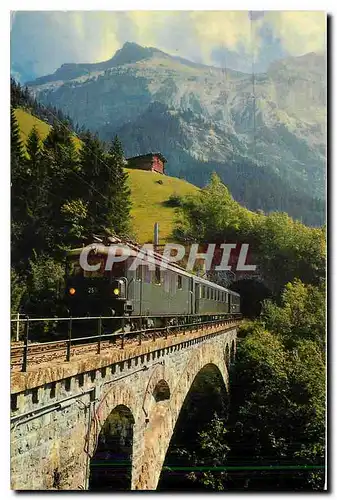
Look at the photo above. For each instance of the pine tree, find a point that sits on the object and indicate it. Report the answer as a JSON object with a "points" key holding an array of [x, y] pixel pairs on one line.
{"points": [[36, 170], [117, 189], [60, 163], [34, 147], [20, 210], [92, 181], [62, 158], [18, 177], [17, 153]]}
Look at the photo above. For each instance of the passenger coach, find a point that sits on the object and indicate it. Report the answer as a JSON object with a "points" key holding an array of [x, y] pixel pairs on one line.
{"points": [[143, 291]]}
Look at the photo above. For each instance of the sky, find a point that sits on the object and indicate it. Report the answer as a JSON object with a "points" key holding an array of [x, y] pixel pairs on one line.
{"points": [[41, 41]]}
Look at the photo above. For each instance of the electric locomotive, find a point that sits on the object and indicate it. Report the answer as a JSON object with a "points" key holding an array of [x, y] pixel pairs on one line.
{"points": [[147, 289]]}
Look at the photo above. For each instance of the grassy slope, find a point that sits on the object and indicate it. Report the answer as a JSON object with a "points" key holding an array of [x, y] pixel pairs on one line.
{"points": [[27, 121], [148, 197]]}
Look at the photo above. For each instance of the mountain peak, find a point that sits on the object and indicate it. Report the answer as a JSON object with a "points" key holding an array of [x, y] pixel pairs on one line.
{"points": [[130, 53]]}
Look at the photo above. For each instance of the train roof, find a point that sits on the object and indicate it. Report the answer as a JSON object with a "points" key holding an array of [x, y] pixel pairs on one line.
{"points": [[153, 257]]}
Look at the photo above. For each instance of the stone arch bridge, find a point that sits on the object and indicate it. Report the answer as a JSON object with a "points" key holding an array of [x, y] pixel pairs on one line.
{"points": [[58, 412]]}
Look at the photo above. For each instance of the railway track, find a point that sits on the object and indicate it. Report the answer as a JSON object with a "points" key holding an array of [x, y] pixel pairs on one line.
{"points": [[38, 353], [41, 354]]}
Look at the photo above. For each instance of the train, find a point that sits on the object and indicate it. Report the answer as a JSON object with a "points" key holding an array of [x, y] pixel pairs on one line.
{"points": [[156, 289]]}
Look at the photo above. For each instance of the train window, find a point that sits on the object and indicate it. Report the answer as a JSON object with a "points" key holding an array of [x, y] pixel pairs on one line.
{"points": [[204, 290], [180, 282], [99, 273], [139, 272], [208, 293]]}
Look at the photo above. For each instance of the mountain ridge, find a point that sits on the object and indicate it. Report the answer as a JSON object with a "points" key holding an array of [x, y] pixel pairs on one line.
{"points": [[119, 58], [204, 114]]}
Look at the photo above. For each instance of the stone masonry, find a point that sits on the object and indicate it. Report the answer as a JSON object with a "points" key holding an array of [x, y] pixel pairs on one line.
{"points": [[58, 411]]}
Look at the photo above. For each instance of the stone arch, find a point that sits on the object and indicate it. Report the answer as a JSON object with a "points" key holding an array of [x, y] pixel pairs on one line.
{"points": [[111, 462], [162, 391], [158, 382], [163, 419], [114, 396]]}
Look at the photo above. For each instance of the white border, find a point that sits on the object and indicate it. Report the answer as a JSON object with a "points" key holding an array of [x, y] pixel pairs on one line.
{"points": [[327, 6]]}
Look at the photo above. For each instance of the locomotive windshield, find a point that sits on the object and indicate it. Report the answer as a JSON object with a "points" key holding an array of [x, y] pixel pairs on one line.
{"points": [[74, 268]]}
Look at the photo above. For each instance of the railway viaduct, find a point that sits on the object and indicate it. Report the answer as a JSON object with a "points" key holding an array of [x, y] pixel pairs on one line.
{"points": [[59, 410]]}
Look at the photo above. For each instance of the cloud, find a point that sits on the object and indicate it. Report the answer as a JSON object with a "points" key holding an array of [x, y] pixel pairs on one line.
{"points": [[42, 41], [299, 31]]}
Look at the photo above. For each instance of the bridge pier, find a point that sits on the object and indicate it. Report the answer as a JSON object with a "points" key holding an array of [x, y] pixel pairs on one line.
{"points": [[58, 413]]}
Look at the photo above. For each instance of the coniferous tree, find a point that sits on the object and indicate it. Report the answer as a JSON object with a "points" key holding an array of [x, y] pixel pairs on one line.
{"points": [[17, 153], [117, 189], [34, 149], [60, 161], [92, 181], [18, 183], [38, 198]]}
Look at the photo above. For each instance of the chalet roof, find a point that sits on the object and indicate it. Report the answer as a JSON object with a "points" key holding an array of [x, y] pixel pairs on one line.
{"points": [[148, 155]]}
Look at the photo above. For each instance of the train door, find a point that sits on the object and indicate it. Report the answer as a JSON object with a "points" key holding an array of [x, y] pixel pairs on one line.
{"points": [[196, 298], [191, 296], [136, 290]]}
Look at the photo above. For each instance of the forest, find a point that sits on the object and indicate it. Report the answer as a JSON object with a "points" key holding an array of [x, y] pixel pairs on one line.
{"points": [[60, 196], [267, 433]]}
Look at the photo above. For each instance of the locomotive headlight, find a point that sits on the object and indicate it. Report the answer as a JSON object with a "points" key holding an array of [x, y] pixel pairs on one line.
{"points": [[116, 291], [72, 291]]}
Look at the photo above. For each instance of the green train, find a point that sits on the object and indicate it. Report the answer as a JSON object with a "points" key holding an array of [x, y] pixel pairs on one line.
{"points": [[156, 289]]}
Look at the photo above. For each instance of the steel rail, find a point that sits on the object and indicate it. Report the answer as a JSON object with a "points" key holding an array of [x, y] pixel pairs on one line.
{"points": [[30, 348]]}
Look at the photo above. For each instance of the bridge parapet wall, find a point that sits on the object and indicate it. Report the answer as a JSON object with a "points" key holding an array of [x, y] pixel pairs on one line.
{"points": [[58, 412]]}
